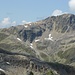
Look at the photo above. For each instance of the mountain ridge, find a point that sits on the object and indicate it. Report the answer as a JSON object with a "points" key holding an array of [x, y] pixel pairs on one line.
{"points": [[49, 40]]}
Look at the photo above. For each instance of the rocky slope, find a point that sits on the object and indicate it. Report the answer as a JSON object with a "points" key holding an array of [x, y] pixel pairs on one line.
{"points": [[23, 64], [51, 40]]}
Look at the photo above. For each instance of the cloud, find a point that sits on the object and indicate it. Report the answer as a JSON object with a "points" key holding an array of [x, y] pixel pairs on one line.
{"points": [[6, 21], [25, 22], [72, 5], [57, 12], [14, 23]]}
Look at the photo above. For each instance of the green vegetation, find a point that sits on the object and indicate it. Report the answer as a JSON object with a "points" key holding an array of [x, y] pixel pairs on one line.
{"points": [[3, 36], [69, 55], [60, 54], [44, 56], [14, 47], [50, 72], [42, 45]]}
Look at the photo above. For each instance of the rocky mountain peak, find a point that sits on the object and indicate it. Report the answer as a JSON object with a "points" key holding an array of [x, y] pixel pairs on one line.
{"points": [[61, 24]]}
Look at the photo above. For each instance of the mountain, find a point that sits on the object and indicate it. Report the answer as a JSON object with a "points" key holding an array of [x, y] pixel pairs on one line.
{"points": [[50, 41]]}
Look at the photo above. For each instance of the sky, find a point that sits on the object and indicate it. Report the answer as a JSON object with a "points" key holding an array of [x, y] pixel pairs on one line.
{"points": [[16, 12]]}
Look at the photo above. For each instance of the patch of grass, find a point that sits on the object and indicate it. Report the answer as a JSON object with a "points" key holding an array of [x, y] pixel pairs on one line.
{"points": [[60, 54], [50, 72], [44, 56], [69, 55], [41, 47], [16, 48], [3, 36]]}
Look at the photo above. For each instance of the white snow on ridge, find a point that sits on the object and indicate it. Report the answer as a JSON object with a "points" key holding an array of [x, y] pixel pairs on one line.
{"points": [[31, 45], [19, 39], [50, 38], [37, 40], [25, 26], [8, 63], [2, 70], [49, 35]]}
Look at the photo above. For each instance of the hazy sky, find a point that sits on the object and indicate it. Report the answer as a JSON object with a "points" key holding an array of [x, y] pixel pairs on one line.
{"points": [[13, 12]]}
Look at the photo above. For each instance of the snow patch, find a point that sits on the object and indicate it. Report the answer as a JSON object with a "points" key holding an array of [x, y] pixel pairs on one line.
{"points": [[37, 40], [31, 45], [8, 63], [25, 26], [49, 35], [19, 39], [49, 38], [2, 70]]}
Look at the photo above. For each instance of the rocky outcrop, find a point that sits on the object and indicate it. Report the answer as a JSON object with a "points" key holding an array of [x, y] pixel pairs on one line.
{"points": [[28, 64]]}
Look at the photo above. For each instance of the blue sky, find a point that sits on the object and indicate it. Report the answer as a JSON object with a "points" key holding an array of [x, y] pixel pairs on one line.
{"points": [[14, 12]]}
